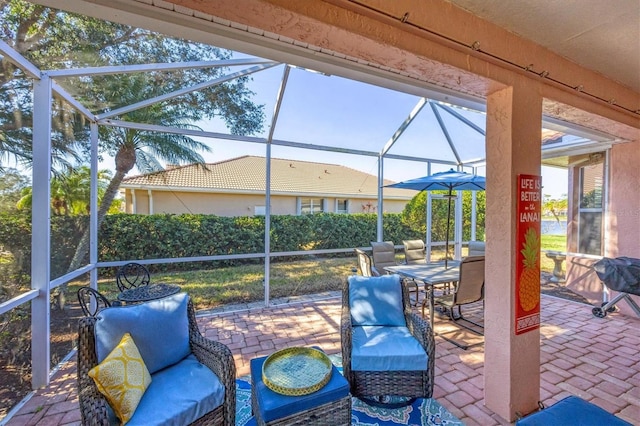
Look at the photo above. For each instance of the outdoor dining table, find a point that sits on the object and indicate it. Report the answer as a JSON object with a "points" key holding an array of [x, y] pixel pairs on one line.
{"points": [[148, 292], [431, 274]]}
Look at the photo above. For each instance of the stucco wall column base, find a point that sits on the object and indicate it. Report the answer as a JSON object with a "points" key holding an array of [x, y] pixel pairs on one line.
{"points": [[512, 362]]}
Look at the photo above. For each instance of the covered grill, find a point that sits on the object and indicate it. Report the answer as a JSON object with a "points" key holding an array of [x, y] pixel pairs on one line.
{"points": [[621, 274]]}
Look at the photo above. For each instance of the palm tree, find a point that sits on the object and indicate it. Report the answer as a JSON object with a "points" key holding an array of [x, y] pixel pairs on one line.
{"points": [[70, 191], [142, 149], [55, 39]]}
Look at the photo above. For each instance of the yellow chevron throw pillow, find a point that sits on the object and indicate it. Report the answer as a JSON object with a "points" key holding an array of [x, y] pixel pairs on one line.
{"points": [[122, 377]]}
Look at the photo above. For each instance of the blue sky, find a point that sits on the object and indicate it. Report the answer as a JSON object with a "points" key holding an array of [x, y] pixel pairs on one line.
{"points": [[330, 110]]}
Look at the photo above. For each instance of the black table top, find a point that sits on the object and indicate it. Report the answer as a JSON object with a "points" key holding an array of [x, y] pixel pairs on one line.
{"points": [[148, 292]]}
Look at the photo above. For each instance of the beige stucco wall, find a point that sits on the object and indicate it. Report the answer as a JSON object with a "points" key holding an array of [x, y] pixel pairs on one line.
{"points": [[222, 204], [137, 201], [394, 206], [622, 228], [371, 205], [219, 204], [624, 208], [209, 203]]}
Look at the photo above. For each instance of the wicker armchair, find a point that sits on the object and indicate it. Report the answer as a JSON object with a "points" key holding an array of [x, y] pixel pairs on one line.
{"points": [[375, 384], [214, 355]]}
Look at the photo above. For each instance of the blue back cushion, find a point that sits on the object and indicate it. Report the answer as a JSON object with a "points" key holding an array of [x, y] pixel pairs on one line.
{"points": [[160, 329], [376, 300]]}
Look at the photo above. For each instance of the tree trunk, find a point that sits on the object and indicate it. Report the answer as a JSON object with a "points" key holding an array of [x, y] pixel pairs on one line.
{"points": [[125, 159], [83, 246]]}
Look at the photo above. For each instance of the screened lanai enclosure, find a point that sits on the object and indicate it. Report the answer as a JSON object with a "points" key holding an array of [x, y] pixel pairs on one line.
{"points": [[376, 122]]}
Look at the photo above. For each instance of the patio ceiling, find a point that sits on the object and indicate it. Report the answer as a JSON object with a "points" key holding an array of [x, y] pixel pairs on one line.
{"points": [[602, 36]]}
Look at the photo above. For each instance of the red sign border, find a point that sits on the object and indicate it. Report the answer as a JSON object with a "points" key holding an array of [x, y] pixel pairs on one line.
{"points": [[526, 321]]}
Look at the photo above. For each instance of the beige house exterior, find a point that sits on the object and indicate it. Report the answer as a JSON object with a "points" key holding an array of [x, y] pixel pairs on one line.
{"points": [[236, 187]]}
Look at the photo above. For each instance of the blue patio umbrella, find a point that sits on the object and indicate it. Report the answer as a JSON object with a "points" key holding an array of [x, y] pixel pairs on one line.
{"points": [[449, 181]]}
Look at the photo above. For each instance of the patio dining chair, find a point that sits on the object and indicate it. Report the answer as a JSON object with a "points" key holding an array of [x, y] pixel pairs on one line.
{"points": [[414, 252], [132, 275], [91, 301], [468, 289], [476, 248], [388, 351], [383, 255], [364, 264]]}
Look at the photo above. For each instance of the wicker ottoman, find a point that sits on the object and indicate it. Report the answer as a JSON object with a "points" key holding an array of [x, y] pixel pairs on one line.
{"points": [[331, 405]]}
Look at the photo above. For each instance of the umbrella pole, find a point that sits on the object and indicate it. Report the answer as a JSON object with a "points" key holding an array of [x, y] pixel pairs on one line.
{"points": [[446, 245]]}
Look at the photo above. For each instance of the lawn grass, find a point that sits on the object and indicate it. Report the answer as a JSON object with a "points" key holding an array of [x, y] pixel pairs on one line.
{"points": [[211, 288], [554, 243]]}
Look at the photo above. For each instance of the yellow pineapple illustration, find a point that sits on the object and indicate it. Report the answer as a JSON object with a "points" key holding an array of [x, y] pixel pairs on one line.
{"points": [[530, 276]]}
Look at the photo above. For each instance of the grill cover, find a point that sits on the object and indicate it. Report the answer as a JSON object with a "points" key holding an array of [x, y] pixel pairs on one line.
{"points": [[619, 274]]}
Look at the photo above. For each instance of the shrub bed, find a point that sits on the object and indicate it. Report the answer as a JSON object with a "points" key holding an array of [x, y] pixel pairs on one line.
{"points": [[126, 236]]}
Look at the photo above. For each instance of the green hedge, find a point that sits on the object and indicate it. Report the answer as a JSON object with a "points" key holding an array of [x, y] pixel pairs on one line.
{"points": [[125, 236], [15, 237]]}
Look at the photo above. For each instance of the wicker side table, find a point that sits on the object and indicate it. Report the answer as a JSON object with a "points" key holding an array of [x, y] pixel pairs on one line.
{"points": [[331, 405]]}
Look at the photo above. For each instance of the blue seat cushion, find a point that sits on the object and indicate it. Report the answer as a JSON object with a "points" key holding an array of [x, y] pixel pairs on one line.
{"points": [[376, 300], [179, 395], [160, 329], [376, 348], [572, 410], [273, 405]]}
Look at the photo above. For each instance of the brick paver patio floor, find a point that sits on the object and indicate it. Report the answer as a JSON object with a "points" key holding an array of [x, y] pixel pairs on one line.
{"points": [[596, 359]]}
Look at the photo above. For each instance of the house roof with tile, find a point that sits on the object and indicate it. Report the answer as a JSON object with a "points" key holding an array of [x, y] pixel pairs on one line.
{"points": [[246, 175]]}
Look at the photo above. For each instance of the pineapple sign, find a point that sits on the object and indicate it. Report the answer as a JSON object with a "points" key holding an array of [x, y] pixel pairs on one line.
{"points": [[528, 256]]}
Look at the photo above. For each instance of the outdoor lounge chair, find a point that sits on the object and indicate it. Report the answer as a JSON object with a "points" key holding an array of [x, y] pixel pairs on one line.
{"points": [[192, 378], [468, 289], [572, 410], [387, 350]]}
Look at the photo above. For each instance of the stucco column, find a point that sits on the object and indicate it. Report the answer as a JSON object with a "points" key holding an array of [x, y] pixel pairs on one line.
{"points": [[512, 362]]}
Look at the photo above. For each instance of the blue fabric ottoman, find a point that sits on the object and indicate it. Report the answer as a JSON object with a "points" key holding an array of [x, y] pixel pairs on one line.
{"points": [[572, 411], [331, 405]]}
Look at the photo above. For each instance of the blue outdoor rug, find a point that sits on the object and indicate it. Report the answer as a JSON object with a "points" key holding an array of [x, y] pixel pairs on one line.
{"points": [[421, 412]]}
